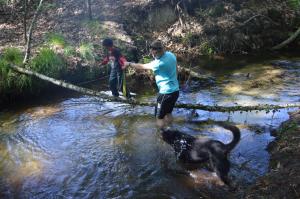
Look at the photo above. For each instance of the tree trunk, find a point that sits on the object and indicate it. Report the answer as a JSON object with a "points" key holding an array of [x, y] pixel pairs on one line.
{"points": [[106, 97], [89, 8], [25, 20], [28, 45], [289, 40]]}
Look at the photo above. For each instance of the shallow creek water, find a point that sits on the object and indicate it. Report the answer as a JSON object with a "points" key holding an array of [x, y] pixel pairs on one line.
{"points": [[80, 147]]}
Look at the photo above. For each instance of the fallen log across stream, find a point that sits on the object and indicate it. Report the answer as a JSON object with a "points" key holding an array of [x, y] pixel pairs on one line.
{"points": [[214, 108]]}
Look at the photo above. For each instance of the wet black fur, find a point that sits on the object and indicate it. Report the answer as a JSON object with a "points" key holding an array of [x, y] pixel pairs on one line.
{"points": [[193, 150]]}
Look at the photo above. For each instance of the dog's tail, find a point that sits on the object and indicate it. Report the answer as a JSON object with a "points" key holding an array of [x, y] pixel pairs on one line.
{"points": [[236, 135]]}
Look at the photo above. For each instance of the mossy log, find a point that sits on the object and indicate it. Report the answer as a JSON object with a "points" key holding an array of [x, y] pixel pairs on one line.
{"points": [[105, 97]]}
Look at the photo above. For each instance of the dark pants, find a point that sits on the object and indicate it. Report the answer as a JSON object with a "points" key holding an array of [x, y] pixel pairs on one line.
{"points": [[165, 104], [115, 80]]}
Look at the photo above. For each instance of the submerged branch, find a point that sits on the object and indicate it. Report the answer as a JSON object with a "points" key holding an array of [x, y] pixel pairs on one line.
{"points": [[216, 108]]}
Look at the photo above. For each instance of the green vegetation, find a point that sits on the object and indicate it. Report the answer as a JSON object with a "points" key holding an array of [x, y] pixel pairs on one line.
{"points": [[9, 79], [294, 4], [187, 39], [48, 6], [146, 59], [206, 49], [69, 51], [55, 40], [14, 84], [95, 28], [86, 51], [48, 63]]}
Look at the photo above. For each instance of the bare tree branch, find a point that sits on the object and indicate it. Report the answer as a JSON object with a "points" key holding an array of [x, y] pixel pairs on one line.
{"points": [[286, 42], [29, 35]]}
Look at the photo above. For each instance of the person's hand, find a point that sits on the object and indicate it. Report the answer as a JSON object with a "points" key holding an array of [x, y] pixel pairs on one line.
{"points": [[128, 63]]}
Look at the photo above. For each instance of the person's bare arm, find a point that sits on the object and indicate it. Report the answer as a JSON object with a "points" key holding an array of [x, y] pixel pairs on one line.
{"points": [[139, 66]]}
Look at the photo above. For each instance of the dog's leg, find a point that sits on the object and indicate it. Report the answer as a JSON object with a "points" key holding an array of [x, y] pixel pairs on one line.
{"points": [[221, 166]]}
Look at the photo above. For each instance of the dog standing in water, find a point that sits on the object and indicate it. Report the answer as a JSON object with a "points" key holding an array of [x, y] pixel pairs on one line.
{"points": [[194, 150]]}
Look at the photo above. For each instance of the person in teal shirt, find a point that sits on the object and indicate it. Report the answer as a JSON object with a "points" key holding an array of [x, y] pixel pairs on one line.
{"points": [[164, 67]]}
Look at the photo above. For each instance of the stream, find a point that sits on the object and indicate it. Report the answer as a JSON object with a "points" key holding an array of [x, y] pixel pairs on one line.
{"points": [[81, 147]]}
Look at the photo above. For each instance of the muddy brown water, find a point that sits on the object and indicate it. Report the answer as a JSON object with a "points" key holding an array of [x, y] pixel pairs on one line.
{"points": [[79, 147]]}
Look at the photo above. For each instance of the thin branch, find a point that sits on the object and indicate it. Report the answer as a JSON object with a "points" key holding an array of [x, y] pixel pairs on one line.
{"points": [[27, 54], [287, 41]]}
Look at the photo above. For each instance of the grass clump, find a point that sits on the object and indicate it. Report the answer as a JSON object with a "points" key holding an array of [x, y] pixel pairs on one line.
{"points": [[13, 56], [86, 51], [56, 40], [48, 63], [69, 51], [11, 81]]}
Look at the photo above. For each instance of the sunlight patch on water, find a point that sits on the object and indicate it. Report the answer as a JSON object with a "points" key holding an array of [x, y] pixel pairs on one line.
{"points": [[42, 112]]}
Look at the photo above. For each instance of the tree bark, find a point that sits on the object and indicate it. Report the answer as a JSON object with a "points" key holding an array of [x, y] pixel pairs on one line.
{"points": [[25, 2], [286, 42], [29, 35], [106, 97], [89, 8]]}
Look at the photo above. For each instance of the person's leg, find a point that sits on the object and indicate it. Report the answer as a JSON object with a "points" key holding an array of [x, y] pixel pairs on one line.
{"points": [[160, 123], [168, 119], [113, 82], [120, 79], [165, 105]]}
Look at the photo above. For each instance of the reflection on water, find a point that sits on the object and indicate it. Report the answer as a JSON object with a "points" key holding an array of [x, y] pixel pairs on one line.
{"points": [[83, 148]]}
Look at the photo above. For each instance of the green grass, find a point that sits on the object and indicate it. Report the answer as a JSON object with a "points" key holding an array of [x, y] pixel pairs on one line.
{"points": [[206, 49], [294, 4], [13, 56], [95, 28], [48, 63], [10, 80], [56, 40], [86, 51], [69, 51]]}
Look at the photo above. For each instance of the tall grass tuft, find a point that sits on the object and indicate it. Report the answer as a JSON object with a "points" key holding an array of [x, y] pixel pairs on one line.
{"points": [[56, 40], [48, 63], [13, 56], [86, 51], [10, 80]]}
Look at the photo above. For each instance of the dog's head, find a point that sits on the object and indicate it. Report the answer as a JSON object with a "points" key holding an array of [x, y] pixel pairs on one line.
{"points": [[170, 136], [173, 136]]}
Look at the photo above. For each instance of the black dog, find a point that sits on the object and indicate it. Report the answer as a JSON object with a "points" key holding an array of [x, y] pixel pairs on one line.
{"points": [[199, 150]]}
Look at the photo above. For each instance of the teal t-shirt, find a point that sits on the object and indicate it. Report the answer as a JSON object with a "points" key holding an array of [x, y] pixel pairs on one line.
{"points": [[165, 72]]}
